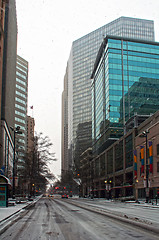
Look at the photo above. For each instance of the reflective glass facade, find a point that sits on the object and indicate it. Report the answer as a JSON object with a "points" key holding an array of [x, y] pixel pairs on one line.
{"points": [[84, 54], [80, 66], [125, 81]]}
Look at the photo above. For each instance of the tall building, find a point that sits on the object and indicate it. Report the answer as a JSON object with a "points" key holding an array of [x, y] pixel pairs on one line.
{"points": [[125, 82], [79, 69], [9, 64], [21, 100], [8, 87], [2, 20], [30, 133], [64, 152]]}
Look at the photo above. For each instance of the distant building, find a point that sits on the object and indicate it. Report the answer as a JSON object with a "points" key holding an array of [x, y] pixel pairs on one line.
{"points": [[30, 133], [79, 69], [83, 141], [125, 81], [64, 133], [21, 103]]}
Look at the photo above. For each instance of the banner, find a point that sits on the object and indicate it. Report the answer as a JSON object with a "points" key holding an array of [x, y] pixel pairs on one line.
{"points": [[150, 157], [142, 159], [2, 170], [135, 164]]}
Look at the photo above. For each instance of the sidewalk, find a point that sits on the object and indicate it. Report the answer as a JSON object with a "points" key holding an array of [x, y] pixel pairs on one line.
{"points": [[141, 202], [7, 212]]}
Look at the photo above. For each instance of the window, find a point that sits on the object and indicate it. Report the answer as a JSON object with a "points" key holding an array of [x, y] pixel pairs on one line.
{"points": [[157, 166], [129, 151], [157, 149]]}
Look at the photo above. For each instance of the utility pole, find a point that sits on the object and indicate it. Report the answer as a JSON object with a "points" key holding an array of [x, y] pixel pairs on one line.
{"points": [[144, 134], [15, 131]]}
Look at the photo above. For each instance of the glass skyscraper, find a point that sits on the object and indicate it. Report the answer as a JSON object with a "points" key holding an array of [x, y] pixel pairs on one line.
{"points": [[79, 69], [125, 81]]}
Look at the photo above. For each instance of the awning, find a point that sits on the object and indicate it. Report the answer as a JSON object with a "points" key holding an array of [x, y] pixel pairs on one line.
{"points": [[4, 180]]}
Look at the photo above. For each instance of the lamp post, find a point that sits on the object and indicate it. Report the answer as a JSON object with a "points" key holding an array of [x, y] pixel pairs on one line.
{"points": [[15, 131], [105, 188], [144, 134], [108, 187], [33, 189]]}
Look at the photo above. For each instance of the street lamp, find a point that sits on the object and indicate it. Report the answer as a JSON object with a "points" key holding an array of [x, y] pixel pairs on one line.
{"points": [[108, 187], [15, 131], [33, 189], [144, 134]]}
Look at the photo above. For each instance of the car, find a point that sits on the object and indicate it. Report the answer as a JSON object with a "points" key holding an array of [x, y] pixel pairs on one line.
{"points": [[51, 196], [64, 195]]}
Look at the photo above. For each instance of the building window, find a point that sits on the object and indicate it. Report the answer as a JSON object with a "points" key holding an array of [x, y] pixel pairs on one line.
{"points": [[110, 161], [129, 151], [157, 166], [157, 149]]}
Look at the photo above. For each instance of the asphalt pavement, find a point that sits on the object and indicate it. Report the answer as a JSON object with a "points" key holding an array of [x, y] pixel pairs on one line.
{"points": [[9, 214]]}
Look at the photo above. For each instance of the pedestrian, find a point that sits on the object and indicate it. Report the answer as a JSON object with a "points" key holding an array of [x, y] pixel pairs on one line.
{"points": [[156, 199]]}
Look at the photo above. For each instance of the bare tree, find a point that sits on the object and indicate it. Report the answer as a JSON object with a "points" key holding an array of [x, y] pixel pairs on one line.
{"points": [[34, 172]]}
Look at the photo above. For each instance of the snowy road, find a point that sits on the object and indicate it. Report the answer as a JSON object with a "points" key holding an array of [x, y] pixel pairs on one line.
{"points": [[144, 212], [59, 219]]}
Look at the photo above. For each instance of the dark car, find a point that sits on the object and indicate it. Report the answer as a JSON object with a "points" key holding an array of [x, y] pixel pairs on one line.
{"points": [[64, 195]]}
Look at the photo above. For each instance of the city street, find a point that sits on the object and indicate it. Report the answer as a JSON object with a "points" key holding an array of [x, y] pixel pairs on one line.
{"points": [[68, 219], [144, 212]]}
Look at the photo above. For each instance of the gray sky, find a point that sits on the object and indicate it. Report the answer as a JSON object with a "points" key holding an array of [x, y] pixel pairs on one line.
{"points": [[46, 30]]}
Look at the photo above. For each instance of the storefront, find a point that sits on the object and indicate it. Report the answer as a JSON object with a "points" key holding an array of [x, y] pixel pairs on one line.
{"points": [[4, 187]]}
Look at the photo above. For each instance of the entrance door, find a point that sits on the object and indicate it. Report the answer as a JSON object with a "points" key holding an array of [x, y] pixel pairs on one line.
{"points": [[3, 199]]}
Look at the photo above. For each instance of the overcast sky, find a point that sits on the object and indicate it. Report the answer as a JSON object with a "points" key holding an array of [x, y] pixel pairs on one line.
{"points": [[46, 30]]}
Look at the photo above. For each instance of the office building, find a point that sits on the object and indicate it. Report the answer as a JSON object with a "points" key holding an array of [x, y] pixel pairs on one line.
{"points": [[8, 88], [120, 170], [64, 132], [9, 64], [79, 69], [30, 133], [2, 19], [21, 100], [125, 81], [150, 160]]}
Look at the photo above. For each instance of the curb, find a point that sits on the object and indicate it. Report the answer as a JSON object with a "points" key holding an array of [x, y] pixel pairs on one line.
{"points": [[8, 221], [124, 219]]}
